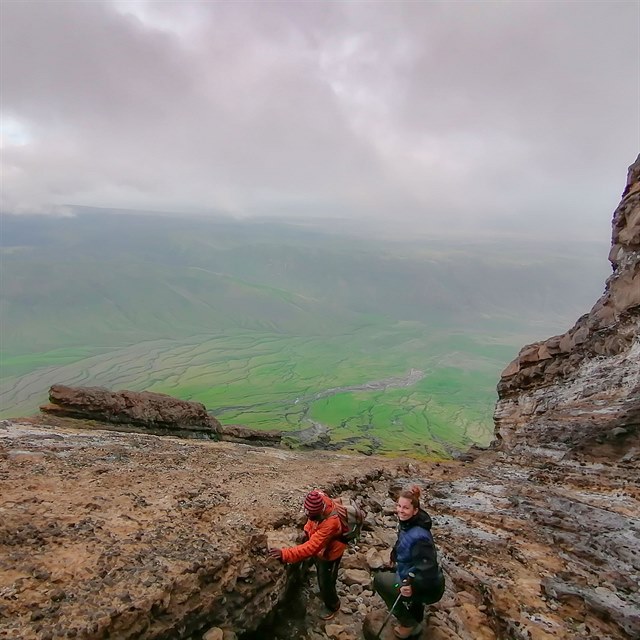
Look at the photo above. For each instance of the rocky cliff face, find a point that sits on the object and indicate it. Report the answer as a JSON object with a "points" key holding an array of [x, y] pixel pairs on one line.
{"points": [[139, 537], [574, 400], [580, 391], [133, 536]]}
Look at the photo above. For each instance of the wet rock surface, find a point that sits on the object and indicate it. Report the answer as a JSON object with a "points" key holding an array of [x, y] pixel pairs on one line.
{"points": [[123, 535]]}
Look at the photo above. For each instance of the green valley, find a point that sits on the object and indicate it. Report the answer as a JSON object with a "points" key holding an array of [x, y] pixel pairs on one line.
{"points": [[373, 345]]}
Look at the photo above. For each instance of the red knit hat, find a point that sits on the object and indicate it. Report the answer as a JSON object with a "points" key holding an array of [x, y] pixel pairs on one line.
{"points": [[313, 503]]}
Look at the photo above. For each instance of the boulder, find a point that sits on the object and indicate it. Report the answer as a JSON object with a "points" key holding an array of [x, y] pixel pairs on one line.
{"points": [[144, 411]]}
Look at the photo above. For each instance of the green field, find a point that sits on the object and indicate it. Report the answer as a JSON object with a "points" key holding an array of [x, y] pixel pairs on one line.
{"points": [[267, 380], [370, 346]]}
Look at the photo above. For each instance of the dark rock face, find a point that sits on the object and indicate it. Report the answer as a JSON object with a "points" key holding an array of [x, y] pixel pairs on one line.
{"points": [[242, 434], [150, 412], [581, 389]]}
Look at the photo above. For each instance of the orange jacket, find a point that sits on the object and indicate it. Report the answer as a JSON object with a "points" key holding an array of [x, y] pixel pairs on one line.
{"points": [[324, 537]]}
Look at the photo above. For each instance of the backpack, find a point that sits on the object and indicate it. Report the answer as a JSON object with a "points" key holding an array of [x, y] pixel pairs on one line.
{"points": [[351, 518]]}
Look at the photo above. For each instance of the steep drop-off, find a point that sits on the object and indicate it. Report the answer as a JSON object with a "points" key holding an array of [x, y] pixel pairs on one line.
{"points": [[581, 390], [136, 536]]}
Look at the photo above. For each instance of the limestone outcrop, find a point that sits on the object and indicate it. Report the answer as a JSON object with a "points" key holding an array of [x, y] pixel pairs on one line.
{"points": [[581, 390], [149, 412], [146, 412]]}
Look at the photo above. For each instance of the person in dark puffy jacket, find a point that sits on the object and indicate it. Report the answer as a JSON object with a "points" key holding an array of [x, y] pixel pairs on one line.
{"points": [[416, 575]]}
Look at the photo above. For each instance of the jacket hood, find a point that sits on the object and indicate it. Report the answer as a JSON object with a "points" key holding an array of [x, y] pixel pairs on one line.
{"points": [[421, 519]]}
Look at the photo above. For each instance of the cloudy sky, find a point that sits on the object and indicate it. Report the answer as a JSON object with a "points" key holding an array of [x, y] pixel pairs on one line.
{"points": [[478, 115]]}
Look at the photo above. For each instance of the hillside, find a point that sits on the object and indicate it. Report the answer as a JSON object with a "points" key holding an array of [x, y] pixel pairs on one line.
{"points": [[275, 325], [130, 535]]}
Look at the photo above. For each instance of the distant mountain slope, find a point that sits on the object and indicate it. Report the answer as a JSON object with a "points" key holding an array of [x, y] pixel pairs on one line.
{"points": [[50, 303], [261, 320], [132, 271]]}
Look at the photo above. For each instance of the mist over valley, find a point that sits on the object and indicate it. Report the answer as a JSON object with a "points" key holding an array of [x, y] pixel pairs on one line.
{"points": [[369, 344]]}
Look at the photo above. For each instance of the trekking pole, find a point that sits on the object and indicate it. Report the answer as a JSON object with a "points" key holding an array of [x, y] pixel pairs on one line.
{"points": [[405, 582]]}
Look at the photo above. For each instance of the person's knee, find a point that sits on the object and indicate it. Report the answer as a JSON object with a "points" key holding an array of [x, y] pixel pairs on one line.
{"points": [[377, 582]]}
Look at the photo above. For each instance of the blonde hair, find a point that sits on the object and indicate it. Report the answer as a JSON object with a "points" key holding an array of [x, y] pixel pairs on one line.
{"points": [[412, 493]]}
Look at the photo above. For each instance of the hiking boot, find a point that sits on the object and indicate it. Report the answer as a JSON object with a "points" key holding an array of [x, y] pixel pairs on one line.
{"points": [[407, 632], [329, 615]]}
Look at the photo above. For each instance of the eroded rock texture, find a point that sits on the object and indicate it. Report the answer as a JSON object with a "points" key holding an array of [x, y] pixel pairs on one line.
{"points": [[145, 411], [581, 390], [574, 400], [131, 536]]}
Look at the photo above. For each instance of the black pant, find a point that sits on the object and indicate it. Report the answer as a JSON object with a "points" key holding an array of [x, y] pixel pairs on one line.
{"points": [[327, 578], [409, 611]]}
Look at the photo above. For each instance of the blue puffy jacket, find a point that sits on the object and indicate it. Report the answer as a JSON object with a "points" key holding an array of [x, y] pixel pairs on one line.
{"points": [[415, 552]]}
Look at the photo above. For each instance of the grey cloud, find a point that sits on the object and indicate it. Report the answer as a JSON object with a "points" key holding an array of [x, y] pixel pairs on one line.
{"points": [[484, 112]]}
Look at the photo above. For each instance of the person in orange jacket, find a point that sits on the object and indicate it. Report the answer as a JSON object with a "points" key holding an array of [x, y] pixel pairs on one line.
{"points": [[324, 544]]}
